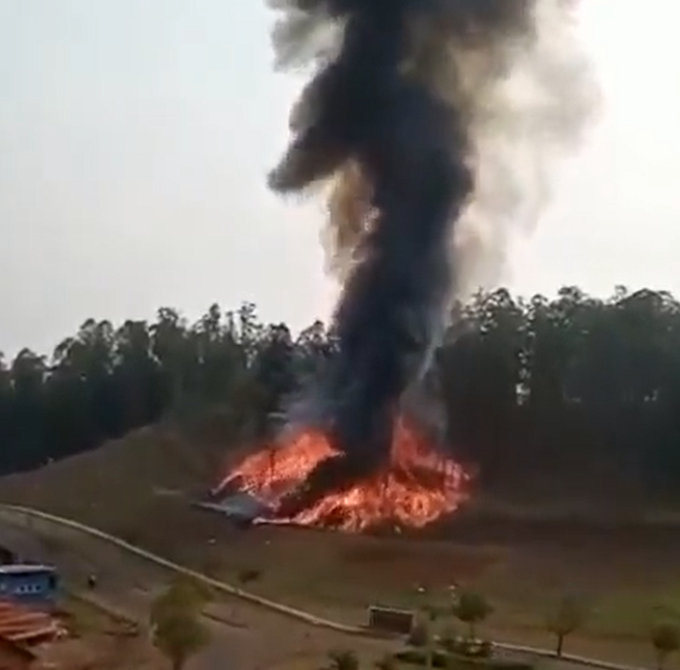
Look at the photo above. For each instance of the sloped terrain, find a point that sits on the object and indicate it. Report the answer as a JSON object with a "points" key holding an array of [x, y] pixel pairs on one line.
{"points": [[139, 487]]}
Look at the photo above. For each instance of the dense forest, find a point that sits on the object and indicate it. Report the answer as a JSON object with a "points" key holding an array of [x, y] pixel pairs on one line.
{"points": [[564, 392]]}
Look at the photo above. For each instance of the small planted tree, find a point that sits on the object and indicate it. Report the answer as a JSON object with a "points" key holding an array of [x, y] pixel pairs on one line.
{"points": [[183, 593], [471, 609], [343, 659], [666, 640], [568, 616], [177, 629], [179, 638]]}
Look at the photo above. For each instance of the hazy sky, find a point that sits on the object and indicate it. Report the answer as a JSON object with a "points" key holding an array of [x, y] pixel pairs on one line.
{"points": [[135, 136]]}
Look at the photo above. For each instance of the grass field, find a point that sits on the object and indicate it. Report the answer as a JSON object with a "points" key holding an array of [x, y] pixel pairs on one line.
{"points": [[141, 487]]}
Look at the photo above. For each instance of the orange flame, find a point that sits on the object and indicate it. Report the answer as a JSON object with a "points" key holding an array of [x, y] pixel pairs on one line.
{"points": [[417, 486]]}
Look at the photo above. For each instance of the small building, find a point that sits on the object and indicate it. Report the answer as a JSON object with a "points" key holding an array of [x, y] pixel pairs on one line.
{"points": [[390, 619], [28, 584]]}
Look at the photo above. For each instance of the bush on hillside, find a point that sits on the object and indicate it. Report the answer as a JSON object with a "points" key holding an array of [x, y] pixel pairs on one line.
{"points": [[471, 608], [441, 659], [665, 637]]}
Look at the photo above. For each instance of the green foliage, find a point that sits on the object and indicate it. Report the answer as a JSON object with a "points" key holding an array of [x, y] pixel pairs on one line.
{"points": [[441, 659], [568, 616], [471, 608], [179, 638], [558, 383], [184, 594], [665, 637], [177, 630], [343, 659]]}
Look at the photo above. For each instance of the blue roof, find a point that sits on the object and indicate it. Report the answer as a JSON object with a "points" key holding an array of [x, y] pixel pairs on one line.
{"points": [[24, 568]]}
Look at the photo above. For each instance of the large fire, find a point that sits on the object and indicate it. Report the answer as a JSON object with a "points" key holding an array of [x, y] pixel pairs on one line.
{"points": [[416, 486]]}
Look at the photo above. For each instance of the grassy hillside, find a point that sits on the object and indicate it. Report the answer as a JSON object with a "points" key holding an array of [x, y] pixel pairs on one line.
{"points": [[140, 488], [136, 487]]}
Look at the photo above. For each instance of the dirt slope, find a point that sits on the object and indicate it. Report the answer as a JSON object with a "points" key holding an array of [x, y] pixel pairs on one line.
{"points": [[129, 486], [140, 488]]}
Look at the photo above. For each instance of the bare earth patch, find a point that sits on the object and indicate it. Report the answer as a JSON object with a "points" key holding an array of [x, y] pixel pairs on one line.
{"points": [[628, 573]]}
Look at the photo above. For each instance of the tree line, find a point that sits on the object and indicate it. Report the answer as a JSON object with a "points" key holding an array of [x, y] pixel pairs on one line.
{"points": [[570, 391]]}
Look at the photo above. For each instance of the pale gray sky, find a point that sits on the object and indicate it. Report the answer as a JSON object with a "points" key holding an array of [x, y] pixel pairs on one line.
{"points": [[135, 136]]}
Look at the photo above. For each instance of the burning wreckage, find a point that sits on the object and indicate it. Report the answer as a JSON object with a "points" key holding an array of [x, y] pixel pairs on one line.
{"points": [[435, 123], [289, 484]]}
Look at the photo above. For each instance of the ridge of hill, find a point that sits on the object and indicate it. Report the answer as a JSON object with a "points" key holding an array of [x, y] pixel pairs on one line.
{"points": [[135, 487]]}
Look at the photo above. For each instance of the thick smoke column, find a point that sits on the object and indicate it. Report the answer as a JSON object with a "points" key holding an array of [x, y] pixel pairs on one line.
{"points": [[408, 114]]}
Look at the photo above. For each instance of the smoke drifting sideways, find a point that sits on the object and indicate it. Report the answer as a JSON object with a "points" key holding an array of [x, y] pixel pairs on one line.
{"points": [[435, 123]]}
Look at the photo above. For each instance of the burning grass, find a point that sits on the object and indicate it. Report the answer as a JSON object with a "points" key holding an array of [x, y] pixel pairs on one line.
{"points": [[414, 488]]}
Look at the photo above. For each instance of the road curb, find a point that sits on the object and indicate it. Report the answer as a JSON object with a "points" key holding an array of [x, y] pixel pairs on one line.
{"points": [[271, 604]]}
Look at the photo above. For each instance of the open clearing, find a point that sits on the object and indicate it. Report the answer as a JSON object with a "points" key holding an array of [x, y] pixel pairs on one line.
{"points": [[141, 488]]}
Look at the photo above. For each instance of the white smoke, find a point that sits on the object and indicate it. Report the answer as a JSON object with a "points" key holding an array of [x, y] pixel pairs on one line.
{"points": [[522, 124]]}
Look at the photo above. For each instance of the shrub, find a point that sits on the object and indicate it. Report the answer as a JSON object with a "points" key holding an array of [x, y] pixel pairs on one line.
{"points": [[177, 630], [471, 608], [666, 640], [183, 594], [442, 659]]}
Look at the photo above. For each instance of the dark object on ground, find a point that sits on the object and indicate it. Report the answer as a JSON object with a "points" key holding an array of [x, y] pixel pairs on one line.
{"points": [[7, 557], [241, 508], [441, 659], [390, 619]]}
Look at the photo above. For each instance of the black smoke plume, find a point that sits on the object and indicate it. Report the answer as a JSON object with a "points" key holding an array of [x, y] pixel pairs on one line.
{"points": [[406, 99]]}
